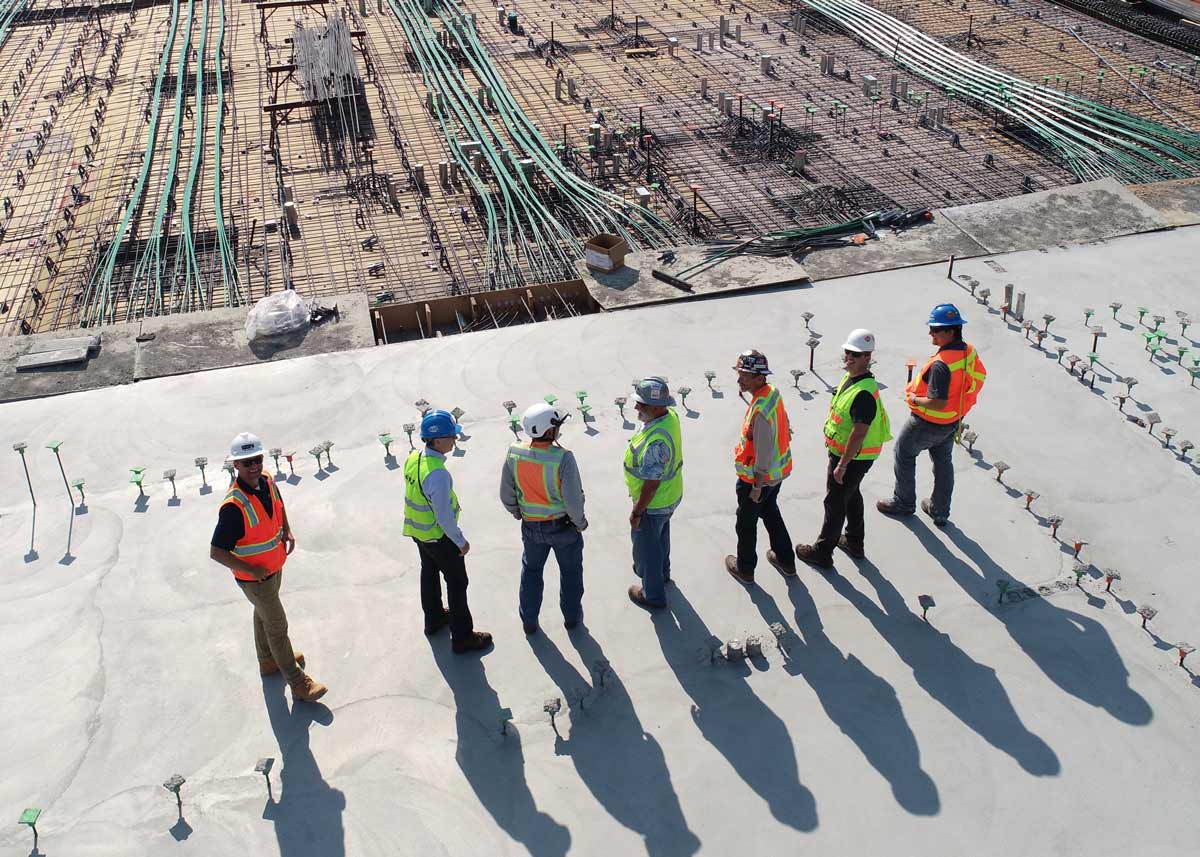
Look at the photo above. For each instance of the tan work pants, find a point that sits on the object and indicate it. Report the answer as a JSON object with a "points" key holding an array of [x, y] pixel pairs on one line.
{"points": [[271, 625]]}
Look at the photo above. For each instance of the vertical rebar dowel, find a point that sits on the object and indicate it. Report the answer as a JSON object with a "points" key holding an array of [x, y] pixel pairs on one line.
{"points": [[19, 448]]}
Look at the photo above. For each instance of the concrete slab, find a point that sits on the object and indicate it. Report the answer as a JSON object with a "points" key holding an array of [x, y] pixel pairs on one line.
{"points": [[88, 343], [992, 729], [172, 345], [1178, 202], [935, 241], [632, 284], [53, 357], [1072, 215]]}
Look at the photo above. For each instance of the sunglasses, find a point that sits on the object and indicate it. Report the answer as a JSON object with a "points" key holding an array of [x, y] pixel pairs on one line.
{"points": [[249, 462], [854, 354]]}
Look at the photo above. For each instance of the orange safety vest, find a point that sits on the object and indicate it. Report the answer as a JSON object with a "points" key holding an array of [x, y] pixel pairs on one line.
{"points": [[769, 403], [535, 467], [967, 375], [262, 544]]}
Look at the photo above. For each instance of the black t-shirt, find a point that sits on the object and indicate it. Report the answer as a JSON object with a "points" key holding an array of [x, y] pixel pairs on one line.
{"points": [[862, 409], [231, 525], [937, 376]]}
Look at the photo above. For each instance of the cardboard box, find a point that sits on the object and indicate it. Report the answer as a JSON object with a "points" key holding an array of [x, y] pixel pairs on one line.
{"points": [[604, 252]]}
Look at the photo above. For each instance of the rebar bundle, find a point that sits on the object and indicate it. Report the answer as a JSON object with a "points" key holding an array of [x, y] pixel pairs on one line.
{"points": [[9, 11], [1178, 35], [1090, 139], [166, 275], [534, 206], [325, 60]]}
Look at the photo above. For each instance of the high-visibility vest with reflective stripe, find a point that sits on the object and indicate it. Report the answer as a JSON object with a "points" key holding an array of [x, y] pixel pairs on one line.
{"points": [[967, 374], [261, 545], [670, 488], [838, 426], [769, 403], [419, 520], [536, 474]]}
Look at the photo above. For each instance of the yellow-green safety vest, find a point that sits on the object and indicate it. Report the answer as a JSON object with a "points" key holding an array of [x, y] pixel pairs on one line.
{"points": [[670, 489], [839, 426], [419, 520]]}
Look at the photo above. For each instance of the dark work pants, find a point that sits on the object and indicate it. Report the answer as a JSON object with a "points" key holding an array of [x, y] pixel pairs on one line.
{"points": [[748, 515], [843, 505], [442, 557]]}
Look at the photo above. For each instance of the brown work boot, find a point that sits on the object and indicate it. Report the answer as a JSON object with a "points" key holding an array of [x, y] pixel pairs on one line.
{"points": [[477, 641], [809, 554], [741, 576], [638, 596], [785, 570], [267, 666], [891, 507], [855, 551], [438, 624], [927, 508], [307, 690]]}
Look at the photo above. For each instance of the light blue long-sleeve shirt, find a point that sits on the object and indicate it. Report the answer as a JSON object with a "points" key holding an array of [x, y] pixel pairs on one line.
{"points": [[437, 485]]}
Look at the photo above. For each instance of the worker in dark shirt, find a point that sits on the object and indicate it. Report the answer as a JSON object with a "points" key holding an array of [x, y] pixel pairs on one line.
{"points": [[855, 432], [253, 540], [939, 396]]}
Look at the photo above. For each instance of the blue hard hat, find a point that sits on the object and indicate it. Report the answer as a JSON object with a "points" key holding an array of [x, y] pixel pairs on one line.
{"points": [[439, 424], [945, 315]]}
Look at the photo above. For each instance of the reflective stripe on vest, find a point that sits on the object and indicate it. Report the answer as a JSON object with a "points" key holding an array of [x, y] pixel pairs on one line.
{"points": [[535, 472], [769, 403], [967, 375], [670, 488], [420, 521], [839, 426], [261, 544]]}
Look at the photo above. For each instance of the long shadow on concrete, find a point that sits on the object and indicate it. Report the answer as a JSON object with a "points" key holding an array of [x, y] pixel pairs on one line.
{"points": [[619, 762], [495, 767], [751, 737], [1073, 650], [308, 814], [859, 702], [964, 687]]}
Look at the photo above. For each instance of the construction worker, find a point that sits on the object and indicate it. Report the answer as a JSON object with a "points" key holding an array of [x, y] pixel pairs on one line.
{"points": [[855, 431], [253, 539], [762, 459], [939, 397], [540, 487], [431, 511], [654, 479]]}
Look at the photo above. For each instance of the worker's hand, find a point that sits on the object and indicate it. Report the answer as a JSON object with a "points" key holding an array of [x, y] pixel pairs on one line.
{"points": [[911, 398], [466, 546], [755, 493], [581, 527], [839, 474], [635, 520], [290, 541]]}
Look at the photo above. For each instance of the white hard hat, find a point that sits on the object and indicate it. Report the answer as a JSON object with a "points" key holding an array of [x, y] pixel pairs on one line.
{"points": [[540, 418], [860, 340], [245, 445]]}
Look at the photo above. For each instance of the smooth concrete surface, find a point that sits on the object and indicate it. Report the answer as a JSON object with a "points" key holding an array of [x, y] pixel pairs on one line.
{"points": [[1070, 215], [1047, 726], [177, 344]]}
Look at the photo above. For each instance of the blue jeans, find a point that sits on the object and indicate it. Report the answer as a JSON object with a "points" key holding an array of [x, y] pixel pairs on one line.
{"points": [[917, 436], [539, 538], [652, 556]]}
